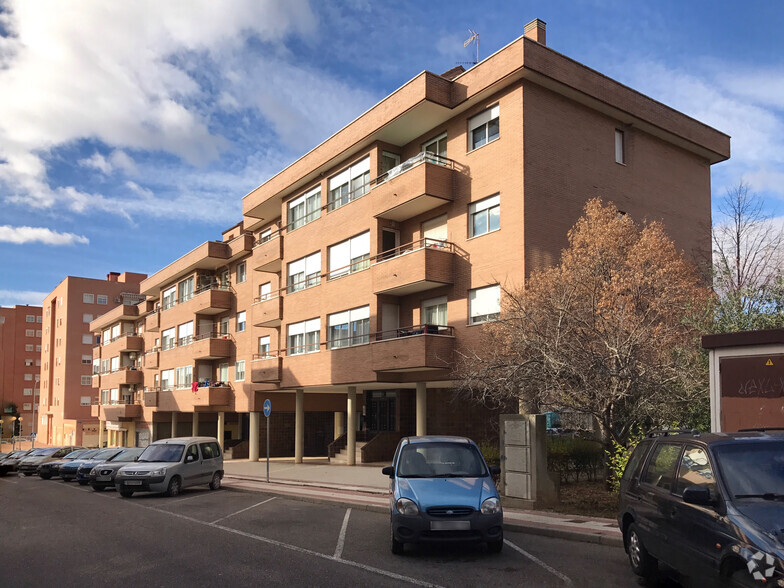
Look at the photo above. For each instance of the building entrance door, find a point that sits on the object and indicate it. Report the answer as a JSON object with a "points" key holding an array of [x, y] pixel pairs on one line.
{"points": [[381, 411]]}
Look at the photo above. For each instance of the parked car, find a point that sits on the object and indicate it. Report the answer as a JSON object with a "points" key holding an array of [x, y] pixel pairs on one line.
{"points": [[68, 470], [11, 461], [709, 505], [85, 465], [169, 465], [28, 465], [51, 469], [442, 490], [102, 475]]}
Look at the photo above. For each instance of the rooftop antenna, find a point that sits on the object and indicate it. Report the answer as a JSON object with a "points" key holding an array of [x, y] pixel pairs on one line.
{"points": [[474, 37]]}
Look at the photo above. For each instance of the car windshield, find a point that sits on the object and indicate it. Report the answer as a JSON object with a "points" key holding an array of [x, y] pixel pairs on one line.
{"points": [[38, 452], [76, 453], [105, 454], [127, 455], [165, 453], [752, 469], [440, 460], [89, 454]]}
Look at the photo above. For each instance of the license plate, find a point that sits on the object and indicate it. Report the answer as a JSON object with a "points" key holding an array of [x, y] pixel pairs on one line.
{"points": [[133, 482], [450, 525]]}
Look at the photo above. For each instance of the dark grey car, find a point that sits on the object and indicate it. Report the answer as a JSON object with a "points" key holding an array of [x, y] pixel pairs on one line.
{"points": [[102, 475]]}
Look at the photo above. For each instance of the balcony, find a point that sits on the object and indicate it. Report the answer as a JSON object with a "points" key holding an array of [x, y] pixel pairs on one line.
{"points": [[152, 322], [186, 400], [265, 369], [417, 185], [416, 267], [267, 312], [417, 348], [151, 396], [151, 359], [268, 254], [211, 299], [211, 346], [121, 377], [116, 410], [131, 342]]}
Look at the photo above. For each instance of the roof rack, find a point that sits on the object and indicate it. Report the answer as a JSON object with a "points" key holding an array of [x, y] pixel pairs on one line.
{"points": [[760, 430], [667, 432]]}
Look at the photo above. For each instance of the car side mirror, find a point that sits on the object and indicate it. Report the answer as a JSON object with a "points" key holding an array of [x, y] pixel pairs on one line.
{"points": [[699, 495], [190, 458], [388, 471], [495, 470], [136, 458]]}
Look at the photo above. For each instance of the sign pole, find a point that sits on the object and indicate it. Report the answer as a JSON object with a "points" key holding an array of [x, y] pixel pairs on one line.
{"points": [[267, 450], [267, 411]]}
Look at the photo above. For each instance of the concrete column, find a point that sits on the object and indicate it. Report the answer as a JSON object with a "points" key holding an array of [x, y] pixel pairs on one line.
{"points": [[174, 424], [421, 408], [351, 429], [101, 425], [221, 427], [339, 424], [195, 426], [299, 427], [253, 443]]}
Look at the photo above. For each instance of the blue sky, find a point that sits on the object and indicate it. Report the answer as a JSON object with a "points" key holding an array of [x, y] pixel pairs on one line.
{"points": [[129, 131]]}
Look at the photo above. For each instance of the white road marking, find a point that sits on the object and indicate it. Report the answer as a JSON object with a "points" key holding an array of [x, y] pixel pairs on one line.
{"points": [[9, 481], [243, 510], [342, 537], [538, 561], [198, 495]]}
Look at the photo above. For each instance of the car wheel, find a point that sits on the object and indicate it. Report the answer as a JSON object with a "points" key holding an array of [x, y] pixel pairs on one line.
{"points": [[126, 493], [643, 564], [83, 482], [216, 481], [496, 546], [174, 487], [45, 476], [395, 545]]}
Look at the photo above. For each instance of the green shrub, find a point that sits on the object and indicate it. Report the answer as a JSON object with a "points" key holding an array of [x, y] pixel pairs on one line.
{"points": [[491, 451], [618, 456], [572, 458]]}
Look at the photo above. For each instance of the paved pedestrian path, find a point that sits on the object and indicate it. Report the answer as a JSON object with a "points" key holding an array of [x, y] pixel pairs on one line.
{"points": [[364, 486]]}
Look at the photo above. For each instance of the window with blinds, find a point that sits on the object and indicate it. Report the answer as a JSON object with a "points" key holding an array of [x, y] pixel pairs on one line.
{"points": [[484, 304], [351, 255]]}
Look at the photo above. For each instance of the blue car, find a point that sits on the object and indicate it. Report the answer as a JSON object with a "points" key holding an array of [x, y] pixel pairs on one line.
{"points": [[442, 490]]}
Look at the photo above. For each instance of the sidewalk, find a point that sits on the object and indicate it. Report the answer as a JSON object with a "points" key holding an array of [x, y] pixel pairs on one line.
{"points": [[366, 488]]}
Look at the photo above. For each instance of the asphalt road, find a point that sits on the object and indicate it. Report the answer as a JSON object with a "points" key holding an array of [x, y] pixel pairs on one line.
{"points": [[63, 534]]}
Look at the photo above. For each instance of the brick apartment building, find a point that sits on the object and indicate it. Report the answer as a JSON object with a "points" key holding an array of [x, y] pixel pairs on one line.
{"points": [[67, 354], [20, 361], [358, 271]]}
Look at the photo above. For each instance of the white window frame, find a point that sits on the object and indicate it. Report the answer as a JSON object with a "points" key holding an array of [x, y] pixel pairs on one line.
{"points": [[29, 332], [115, 363], [304, 209], [265, 291], [303, 337], [348, 185], [241, 272], [620, 147], [167, 379], [185, 334], [169, 298], [441, 311], [304, 272], [349, 256], [183, 377], [85, 401], [487, 208], [27, 392], [184, 290], [29, 346], [484, 304], [87, 359], [440, 145], [28, 377], [264, 347], [241, 321], [487, 121], [30, 318], [87, 318], [349, 328], [86, 381], [168, 339], [239, 371], [102, 299], [88, 298]]}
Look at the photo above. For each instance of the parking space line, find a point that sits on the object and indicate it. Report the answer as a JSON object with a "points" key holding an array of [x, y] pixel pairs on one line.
{"points": [[538, 561], [342, 536], [9, 481], [197, 495], [243, 510]]}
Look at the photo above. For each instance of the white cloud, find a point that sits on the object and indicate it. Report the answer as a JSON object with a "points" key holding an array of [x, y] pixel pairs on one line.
{"points": [[118, 159], [22, 235], [21, 297], [97, 161]]}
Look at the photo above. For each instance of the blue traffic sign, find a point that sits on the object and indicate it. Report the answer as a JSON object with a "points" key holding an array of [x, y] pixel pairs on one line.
{"points": [[267, 407], [33, 436]]}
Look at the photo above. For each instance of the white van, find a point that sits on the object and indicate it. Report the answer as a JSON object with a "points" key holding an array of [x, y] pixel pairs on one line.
{"points": [[169, 465]]}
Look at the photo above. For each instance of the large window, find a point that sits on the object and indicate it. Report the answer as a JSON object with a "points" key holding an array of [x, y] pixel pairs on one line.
{"points": [[434, 311], [350, 184], [185, 290], [241, 321], [305, 272], [184, 376], [483, 127], [265, 291], [304, 337], [484, 304], [305, 208], [185, 334], [352, 255], [169, 298], [241, 272], [167, 339], [485, 216], [436, 146], [167, 379], [264, 346], [239, 371], [350, 327], [115, 363]]}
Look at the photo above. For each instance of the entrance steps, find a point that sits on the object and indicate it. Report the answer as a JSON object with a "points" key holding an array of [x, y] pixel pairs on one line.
{"points": [[342, 457]]}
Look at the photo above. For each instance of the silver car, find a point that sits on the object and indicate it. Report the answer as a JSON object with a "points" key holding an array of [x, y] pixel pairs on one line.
{"points": [[169, 465]]}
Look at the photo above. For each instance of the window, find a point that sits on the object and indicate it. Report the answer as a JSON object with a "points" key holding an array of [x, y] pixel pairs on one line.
{"points": [[28, 363], [29, 346], [87, 381], [620, 155], [28, 377], [305, 272], [434, 311], [167, 379], [305, 208], [30, 318], [167, 338], [184, 376], [483, 127], [29, 332], [350, 184], [223, 372], [434, 230], [224, 325], [38, 347], [87, 359], [265, 291], [389, 161], [102, 299], [239, 371], [105, 366], [661, 466], [265, 235], [185, 334], [485, 216], [350, 327], [27, 392], [115, 363], [241, 275], [87, 318], [695, 470], [84, 401], [39, 319], [38, 334], [88, 298], [169, 298], [352, 255], [264, 346], [484, 304], [303, 337], [115, 332], [436, 146], [185, 290], [38, 362], [241, 321], [27, 406]]}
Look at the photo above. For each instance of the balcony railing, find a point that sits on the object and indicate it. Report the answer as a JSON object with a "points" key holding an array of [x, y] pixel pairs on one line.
{"points": [[411, 163]]}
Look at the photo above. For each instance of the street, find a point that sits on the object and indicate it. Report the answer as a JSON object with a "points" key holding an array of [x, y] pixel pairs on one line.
{"points": [[63, 533]]}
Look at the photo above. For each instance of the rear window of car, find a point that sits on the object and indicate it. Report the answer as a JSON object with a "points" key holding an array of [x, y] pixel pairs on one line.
{"points": [[661, 466], [210, 450], [635, 461]]}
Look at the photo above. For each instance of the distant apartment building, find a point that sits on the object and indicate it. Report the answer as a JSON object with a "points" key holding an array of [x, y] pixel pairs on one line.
{"points": [[67, 354], [359, 271], [20, 361]]}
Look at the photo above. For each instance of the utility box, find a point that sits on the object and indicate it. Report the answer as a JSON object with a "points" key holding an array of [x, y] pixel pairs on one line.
{"points": [[746, 379]]}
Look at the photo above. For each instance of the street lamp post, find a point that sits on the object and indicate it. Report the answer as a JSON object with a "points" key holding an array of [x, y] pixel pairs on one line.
{"points": [[35, 390]]}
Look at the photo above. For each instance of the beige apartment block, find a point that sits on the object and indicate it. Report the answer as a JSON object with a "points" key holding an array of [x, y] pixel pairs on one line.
{"points": [[359, 271], [20, 367], [67, 354]]}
